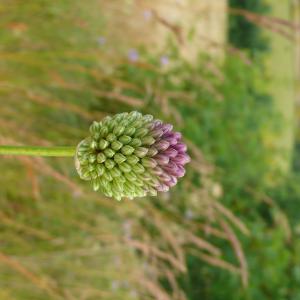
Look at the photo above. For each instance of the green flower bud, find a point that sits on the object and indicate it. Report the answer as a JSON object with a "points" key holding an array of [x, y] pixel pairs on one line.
{"points": [[109, 164], [119, 158], [127, 150], [119, 130], [125, 139], [116, 145], [103, 144], [109, 152], [101, 157], [135, 143], [111, 137], [140, 152]]}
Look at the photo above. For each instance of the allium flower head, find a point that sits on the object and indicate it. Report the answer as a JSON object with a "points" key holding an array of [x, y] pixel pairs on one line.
{"points": [[131, 155]]}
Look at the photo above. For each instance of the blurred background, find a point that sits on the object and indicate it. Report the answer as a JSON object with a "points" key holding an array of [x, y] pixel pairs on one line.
{"points": [[227, 74]]}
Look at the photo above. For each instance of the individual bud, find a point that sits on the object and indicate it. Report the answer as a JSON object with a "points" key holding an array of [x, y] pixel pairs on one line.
{"points": [[109, 163], [101, 157], [103, 131], [157, 133], [148, 140], [162, 145], [132, 159], [109, 152], [125, 167], [180, 147], [92, 158], [116, 145], [111, 137], [127, 150], [130, 176], [119, 158], [115, 172], [162, 159], [138, 168], [152, 152], [181, 159], [118, 130], [100, 169], [96, 184], [93, 145], [141, 132], [129, 131], [140, 152], [149, 162], [125, 139], [107, 176], [177, 135], [103, 144], [135, 142], [170, 152], [94, 128]]}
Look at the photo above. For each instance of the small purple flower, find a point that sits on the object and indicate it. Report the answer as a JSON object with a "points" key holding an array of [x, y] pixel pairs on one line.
{"points": [[147, 15], [101, 40], [133, 55], [164, 60], [189, 214]]}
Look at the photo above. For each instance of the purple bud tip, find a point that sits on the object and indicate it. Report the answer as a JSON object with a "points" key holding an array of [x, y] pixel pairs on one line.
{"points": [[133, 55]]}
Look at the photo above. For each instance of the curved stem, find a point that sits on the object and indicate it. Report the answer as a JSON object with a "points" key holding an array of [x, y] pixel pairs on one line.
{"points": [[38, 151]]}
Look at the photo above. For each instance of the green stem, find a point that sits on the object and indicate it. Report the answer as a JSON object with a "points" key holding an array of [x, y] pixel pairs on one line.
{"points": [[38, 151]]}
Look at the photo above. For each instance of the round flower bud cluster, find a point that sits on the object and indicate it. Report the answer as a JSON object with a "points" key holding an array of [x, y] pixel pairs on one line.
{"points": [[131, 155]]}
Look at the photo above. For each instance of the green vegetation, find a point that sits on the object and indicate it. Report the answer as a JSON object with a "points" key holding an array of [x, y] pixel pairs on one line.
{"points": [[245, 34]]}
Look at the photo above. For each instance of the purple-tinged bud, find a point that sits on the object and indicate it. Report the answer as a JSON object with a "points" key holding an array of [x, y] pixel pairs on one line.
{"points": [[157, 133], [148, 140], [171, 140], [167, 128], [152, 151], [165, 177], [180, 147], [171, 168], [127, 150], [162, 159], [180, 171], [149, 162], [163, 188], [177, 136], [140, 152], [157, 170], [170, 152], [181, 159], [172, 181], [162, 145]]}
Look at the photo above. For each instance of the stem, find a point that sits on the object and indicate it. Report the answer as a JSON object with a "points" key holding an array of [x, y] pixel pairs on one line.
{"points": [[38, 151]]}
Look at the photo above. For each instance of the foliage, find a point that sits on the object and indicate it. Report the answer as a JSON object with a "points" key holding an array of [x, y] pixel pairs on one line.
{"points": [[245, 34]]}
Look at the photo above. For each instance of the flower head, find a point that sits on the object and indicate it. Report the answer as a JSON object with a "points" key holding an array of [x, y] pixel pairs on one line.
{"points": [[131, 155]]}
